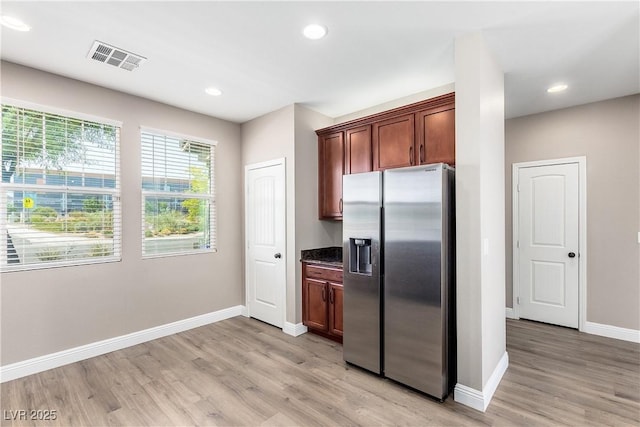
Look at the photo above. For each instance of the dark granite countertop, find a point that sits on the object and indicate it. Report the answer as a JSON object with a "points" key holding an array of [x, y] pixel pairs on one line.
{"points": [[328, 256]]}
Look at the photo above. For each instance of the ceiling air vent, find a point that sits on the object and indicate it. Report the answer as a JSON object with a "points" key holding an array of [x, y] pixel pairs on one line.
{"points": [[115, 56]]}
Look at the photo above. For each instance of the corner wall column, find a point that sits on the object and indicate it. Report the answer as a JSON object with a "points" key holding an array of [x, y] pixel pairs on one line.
{"points": [[480, 222]]}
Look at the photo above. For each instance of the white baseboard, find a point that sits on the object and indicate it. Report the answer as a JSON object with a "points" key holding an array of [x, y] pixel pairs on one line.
{"points": [[494, 380], [469, 397], [480, 400], [616, 332], [632, 335], [294, 329], [64, 357]]}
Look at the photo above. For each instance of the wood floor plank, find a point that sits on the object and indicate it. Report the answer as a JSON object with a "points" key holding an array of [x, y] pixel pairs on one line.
{"points": [[242, 372]]}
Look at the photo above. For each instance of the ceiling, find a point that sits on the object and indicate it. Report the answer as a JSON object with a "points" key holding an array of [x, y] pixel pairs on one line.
{"points": [[374, 51]]}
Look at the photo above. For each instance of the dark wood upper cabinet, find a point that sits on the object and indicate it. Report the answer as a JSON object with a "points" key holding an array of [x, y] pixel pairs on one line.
{"points": [[393, 143], [330, 171], [414, 134], [436, 135], [358, 150]]}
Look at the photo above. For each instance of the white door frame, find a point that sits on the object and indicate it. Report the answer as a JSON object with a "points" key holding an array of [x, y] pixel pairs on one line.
{"points": [[275, 162], [582, 231]]}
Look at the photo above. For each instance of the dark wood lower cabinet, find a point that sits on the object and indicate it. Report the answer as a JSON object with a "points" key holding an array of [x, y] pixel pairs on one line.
{"points": [[335, 308], [316, 305], [322, 300]]}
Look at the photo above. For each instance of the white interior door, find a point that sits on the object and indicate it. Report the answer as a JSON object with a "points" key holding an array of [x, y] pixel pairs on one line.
{"points": [[265, 239], [548, 243]]}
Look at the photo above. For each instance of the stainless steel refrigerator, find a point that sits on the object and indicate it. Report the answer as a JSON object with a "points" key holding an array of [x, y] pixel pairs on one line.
{"points": [[398, 236]]}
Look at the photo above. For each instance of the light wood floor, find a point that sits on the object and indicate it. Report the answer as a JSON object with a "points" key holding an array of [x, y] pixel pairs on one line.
{"points": [[243, 372]]}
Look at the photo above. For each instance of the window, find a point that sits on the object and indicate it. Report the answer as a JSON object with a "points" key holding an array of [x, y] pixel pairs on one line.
{"points": [[178, 197], [60, 190]]}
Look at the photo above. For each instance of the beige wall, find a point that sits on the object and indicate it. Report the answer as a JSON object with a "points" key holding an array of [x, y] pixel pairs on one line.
{"points": [[400, 102], [608, 134], [50, 310]]}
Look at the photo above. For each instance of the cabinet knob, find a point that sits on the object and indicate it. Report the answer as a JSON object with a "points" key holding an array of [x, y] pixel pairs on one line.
{"points": [[421, 154], [411, 155], [324, 294], [331, 297]]}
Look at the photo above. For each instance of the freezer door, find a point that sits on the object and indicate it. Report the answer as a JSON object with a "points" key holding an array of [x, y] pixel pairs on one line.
{"points": [[361, 194], [415, 294]]}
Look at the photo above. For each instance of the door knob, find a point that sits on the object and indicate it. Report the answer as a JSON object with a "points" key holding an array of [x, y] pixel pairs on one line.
{"points": [[572, 254], [278, 255]]}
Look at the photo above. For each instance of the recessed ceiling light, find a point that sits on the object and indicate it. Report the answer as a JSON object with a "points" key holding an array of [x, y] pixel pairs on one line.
{"points": [[13, 23], [314, 31], [557, 88], [213, 91]]}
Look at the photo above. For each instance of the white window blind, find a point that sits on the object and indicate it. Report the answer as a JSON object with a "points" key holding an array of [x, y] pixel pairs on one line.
{"points": [[178, 195], [60, 190]]}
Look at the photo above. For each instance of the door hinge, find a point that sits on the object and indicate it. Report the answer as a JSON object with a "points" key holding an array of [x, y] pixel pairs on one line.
{"points": [[518, 188], [518, 300], [517, 243]]}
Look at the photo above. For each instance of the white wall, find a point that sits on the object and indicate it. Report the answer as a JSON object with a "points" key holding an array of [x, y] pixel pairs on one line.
{"points": [[479, 220], [49, 310]]}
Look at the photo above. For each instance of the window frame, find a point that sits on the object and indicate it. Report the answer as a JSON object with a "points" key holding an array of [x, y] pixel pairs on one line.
{"points": [[210, 196], [115, 193]]}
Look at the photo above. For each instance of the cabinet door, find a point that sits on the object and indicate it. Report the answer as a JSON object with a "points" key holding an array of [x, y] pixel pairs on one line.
{"points": [[315, 304], [358, 155], [436, 136], [335, 308], [330, 170], [393, 143]]}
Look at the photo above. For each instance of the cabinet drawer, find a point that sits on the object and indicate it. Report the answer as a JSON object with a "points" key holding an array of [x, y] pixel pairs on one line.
{"points": [[323, 273]]}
